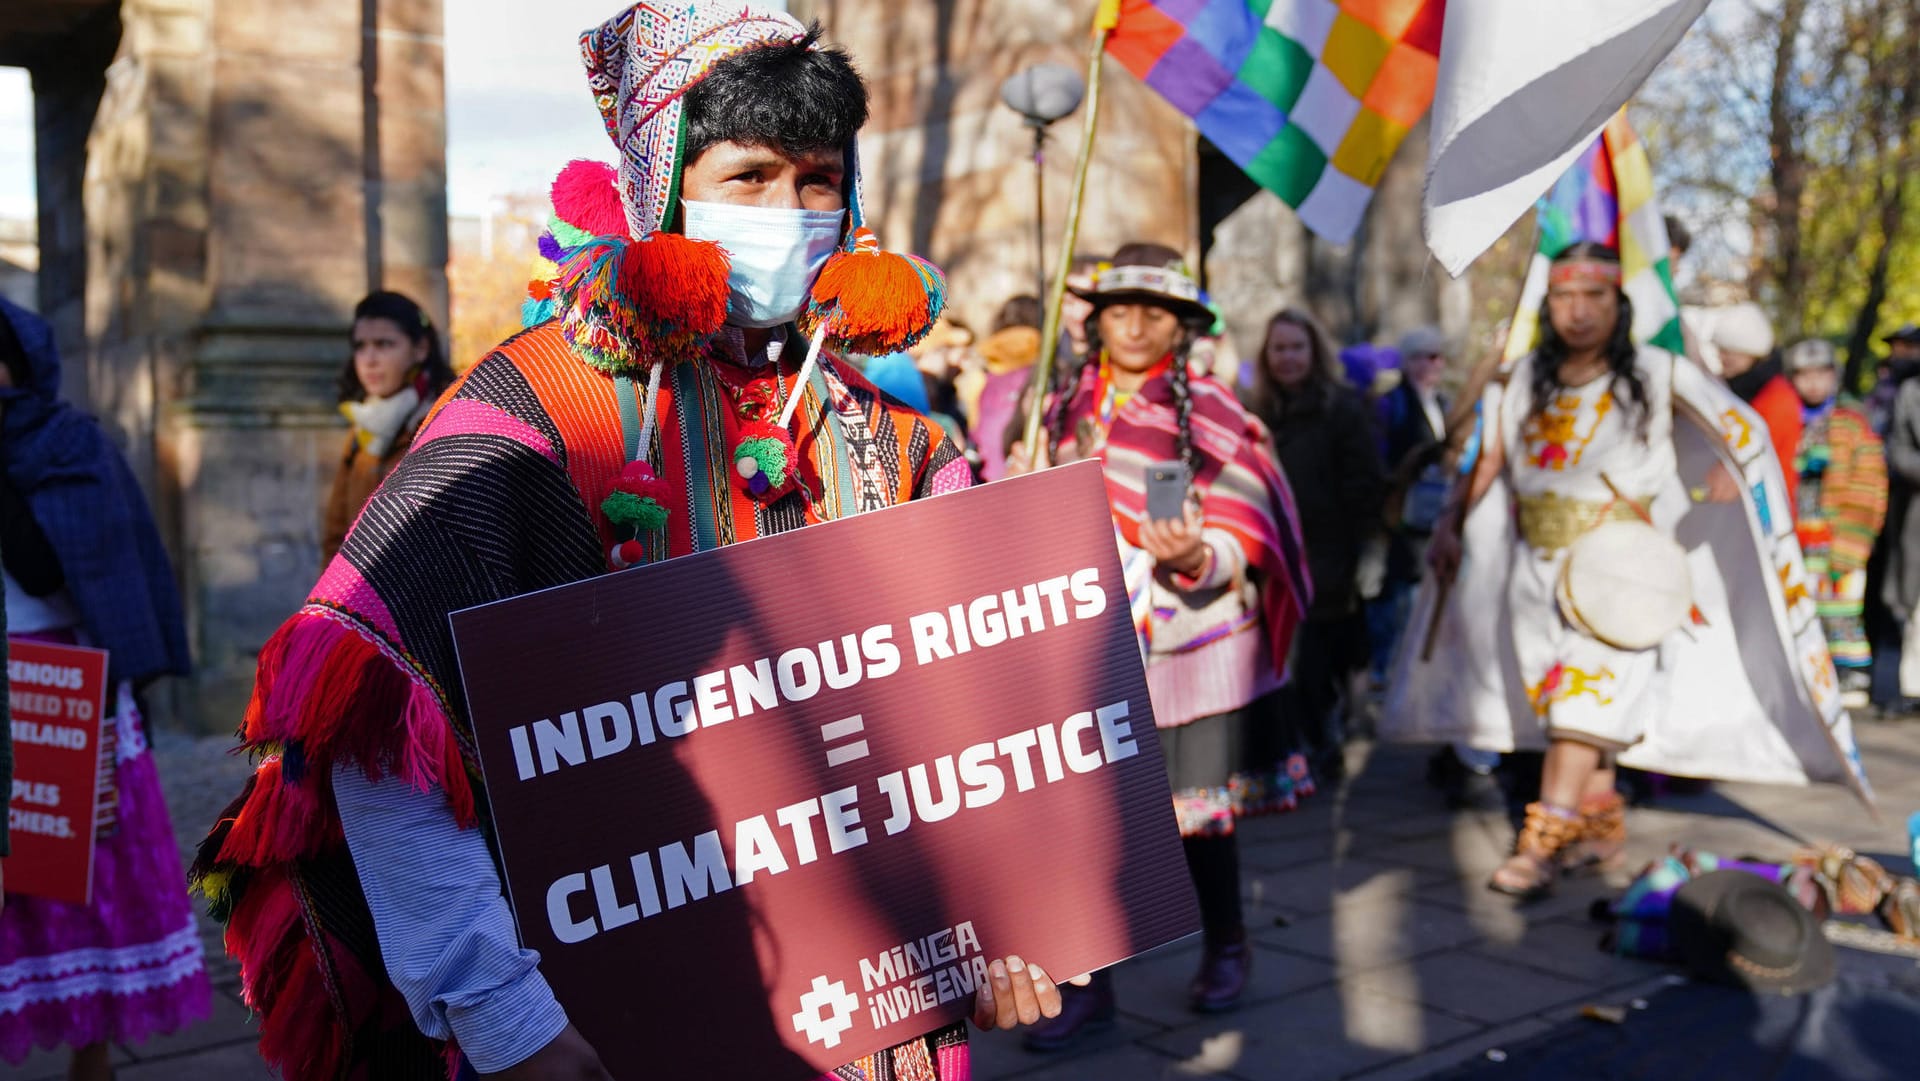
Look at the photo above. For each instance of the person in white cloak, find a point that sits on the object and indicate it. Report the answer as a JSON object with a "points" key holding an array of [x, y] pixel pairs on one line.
{"points": [[1584, 566]]}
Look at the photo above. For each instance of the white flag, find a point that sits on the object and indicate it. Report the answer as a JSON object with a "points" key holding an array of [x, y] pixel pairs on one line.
{"points": [[1524, 87]]}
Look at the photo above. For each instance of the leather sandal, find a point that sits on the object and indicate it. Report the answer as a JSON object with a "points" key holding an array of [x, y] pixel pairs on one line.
{"points": [[1853, 884], [1535, 863]]}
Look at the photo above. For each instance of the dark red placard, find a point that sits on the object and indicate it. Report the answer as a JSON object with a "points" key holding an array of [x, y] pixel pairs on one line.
{"points": [[57, 694], [700, 890]]}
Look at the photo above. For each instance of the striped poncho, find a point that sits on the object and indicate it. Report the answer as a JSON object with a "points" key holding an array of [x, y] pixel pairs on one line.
{"points": [[499, 496]]}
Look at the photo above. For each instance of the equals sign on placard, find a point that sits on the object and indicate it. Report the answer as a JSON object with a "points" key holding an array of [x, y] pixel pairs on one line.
{"points": [[842, 733]]}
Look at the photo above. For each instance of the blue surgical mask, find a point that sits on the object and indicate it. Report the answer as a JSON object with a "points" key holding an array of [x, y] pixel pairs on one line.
{"points": [[775, 253]]}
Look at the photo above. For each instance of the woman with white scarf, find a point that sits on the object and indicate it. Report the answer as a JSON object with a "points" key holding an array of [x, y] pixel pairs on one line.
{"points": [[395, 374]]}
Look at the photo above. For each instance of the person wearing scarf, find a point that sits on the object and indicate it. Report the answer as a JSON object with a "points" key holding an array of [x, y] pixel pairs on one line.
{"points": [[84, 566], [682, 385], [395, 373], [1216, 594]]}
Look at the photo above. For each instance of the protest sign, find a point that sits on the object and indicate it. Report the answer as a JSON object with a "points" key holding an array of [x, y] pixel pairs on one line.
{"points": [[768, 808], [57, 694]]}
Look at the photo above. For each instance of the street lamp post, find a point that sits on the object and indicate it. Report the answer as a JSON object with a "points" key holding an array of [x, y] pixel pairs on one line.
{"points": [[1042, 94]]}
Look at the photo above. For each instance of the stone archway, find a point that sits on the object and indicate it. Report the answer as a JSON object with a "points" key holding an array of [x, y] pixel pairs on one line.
{"points": [[220, 180]]}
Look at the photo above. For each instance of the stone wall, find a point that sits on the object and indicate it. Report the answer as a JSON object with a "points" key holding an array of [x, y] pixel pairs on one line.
{"points": [[219, 192]]}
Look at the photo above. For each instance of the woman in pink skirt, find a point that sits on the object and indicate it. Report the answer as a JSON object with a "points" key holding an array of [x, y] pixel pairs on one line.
{"points": [[84, 565]]}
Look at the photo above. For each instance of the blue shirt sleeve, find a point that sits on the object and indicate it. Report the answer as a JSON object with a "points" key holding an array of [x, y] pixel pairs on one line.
{"points": [[444, 927]]}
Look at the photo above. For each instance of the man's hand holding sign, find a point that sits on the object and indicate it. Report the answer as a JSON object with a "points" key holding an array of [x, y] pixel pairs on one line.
{"points": [[824, 806]]}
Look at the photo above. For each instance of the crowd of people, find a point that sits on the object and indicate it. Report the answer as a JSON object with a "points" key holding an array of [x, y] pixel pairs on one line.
{"points": [[1315, 488], [1851, 459]]}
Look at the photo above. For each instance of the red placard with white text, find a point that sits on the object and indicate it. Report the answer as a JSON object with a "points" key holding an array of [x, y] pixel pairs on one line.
{"points": [[57, 696], [800, 791]]}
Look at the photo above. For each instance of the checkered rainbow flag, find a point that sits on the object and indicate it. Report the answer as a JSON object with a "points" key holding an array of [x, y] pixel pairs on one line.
{"points": [[1310, 97], [1607, 196]]}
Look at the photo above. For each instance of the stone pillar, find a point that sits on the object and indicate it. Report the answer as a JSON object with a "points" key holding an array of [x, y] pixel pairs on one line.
{"points": [[242, 177], [68, 83]]}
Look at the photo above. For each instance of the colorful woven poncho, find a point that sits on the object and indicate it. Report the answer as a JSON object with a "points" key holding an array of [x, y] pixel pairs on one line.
{"points": [[505, 491]]}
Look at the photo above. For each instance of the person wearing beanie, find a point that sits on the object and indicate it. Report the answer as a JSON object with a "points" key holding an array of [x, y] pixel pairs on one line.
{"points": [[1008, 356], [1413, 423], [1742, 340]]}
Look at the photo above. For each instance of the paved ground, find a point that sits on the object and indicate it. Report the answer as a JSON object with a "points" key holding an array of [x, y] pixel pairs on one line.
{"points": [[1380, 953]]}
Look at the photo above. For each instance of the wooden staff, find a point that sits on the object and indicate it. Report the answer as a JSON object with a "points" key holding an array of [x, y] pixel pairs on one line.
{"points": [[1460, 422], [1104, 20]]}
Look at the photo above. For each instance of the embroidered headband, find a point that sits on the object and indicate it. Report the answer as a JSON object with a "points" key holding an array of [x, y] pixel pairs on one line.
{"points": [[1584, 270], [1164, 281]]}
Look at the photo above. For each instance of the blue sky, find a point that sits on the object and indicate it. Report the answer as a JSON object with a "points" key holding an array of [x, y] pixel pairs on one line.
{"points": [[517, 103]]}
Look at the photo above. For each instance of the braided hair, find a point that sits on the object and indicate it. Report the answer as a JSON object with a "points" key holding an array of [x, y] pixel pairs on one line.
{"points": [[1179, 378], [1620, 352]]}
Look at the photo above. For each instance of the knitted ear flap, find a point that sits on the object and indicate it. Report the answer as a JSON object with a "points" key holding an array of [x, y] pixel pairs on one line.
{"points": [[877, 302]]}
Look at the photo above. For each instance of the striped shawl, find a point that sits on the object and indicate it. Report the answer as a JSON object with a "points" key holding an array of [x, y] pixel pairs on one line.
{"points": [[498, 496], [1241, 488]]}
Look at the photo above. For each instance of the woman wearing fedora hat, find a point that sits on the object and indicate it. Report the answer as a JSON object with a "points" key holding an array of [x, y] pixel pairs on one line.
{"points": [[1210, 541]]}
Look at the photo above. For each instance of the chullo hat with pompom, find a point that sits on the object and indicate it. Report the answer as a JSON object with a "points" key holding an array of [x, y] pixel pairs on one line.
{"points": [[629, 292]]}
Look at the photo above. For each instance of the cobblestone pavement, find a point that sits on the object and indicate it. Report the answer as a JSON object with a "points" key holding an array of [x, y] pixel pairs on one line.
{"points": [[1380, 954]]}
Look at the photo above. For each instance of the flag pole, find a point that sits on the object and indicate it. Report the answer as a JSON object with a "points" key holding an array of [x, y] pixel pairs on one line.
{"points": [[1104, 20]]}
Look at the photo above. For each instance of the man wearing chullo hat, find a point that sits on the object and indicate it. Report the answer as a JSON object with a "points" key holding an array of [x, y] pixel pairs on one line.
{"points": [[681, 388], [1631, 590]]}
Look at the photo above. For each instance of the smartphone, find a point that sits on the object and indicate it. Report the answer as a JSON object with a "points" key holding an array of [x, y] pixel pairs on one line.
{"points": [[1166, 491]]}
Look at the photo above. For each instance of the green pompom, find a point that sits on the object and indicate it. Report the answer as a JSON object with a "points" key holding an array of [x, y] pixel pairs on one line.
{"points": [[770, 454], [567, 235], [642, 513]]}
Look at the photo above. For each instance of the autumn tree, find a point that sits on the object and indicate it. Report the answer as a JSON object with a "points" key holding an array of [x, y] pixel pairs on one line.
{"points": [[1787, 133]]}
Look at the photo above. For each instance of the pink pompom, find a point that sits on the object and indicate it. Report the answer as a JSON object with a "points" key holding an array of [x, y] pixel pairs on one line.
{"points": [[638, 479], [586, 195], [635, 473]]}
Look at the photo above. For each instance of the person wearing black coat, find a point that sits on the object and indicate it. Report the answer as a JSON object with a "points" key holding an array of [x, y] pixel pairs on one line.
{"points": [[1412, 419], [1325, 440]]}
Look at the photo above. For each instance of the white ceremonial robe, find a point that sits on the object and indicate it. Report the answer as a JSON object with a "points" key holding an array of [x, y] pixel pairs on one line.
{"points": [[1749, 696]]}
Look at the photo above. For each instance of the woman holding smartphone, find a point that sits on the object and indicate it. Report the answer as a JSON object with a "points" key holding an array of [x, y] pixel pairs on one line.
{"points": [[1210, 542]]}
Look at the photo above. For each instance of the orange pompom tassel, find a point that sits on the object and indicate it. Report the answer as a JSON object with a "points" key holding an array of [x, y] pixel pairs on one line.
{"points": [[878, 301], [677, 282], [624, 304]]}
